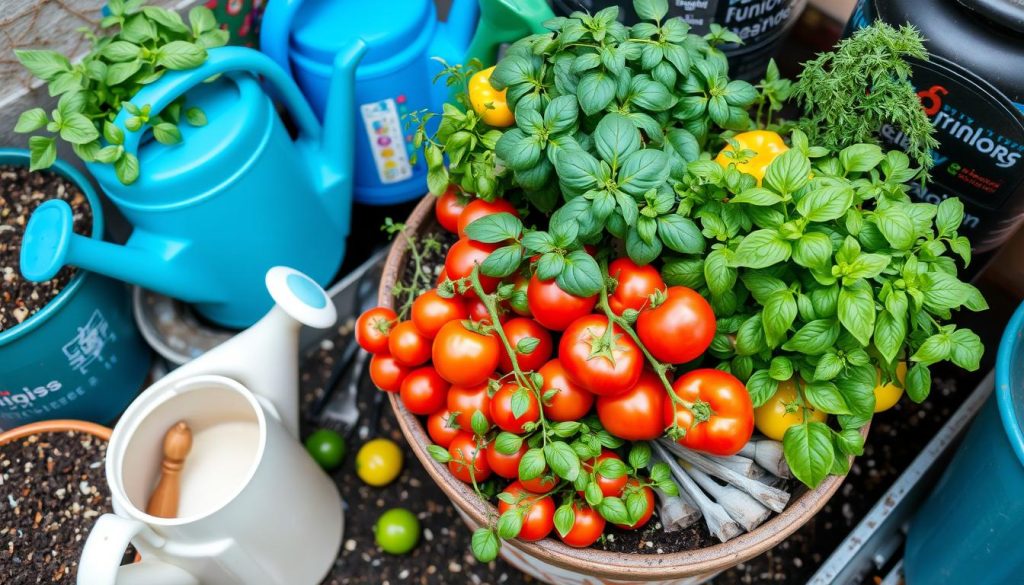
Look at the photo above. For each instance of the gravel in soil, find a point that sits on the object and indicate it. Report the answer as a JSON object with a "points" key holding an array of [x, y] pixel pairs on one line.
{"points": [[52, 490], [21, 192]]}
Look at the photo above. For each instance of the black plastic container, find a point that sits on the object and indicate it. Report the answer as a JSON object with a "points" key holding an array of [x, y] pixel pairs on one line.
{"points": [[762, 24], [972, 88]]}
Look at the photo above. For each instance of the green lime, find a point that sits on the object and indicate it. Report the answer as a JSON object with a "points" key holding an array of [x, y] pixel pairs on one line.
{"points": [[398, 531], [327, 448]]}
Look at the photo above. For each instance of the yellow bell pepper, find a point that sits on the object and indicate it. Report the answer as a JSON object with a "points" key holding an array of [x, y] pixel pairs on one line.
{"points": [[488, 102], [766, 144]]}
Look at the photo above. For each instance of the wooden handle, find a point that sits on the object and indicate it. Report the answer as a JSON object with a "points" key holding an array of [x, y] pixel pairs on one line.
{"points": [[163, 502]]}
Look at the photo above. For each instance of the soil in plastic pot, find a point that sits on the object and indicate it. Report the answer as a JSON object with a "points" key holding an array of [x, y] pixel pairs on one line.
{"points": [[21, 192]]}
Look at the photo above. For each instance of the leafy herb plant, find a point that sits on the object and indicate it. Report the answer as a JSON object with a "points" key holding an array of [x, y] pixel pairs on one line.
{"points": [[146, 42]]}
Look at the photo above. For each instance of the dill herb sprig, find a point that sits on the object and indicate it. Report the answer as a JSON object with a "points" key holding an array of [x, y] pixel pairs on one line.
{"points": [[849, 93]]}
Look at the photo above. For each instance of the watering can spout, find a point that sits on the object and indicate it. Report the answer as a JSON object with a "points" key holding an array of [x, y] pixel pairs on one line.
{"points": [[148, 261], [339, 131]]}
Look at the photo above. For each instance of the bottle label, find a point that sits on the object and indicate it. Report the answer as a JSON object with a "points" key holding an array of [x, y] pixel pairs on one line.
{"points": [[980, 158], [388, 145]]}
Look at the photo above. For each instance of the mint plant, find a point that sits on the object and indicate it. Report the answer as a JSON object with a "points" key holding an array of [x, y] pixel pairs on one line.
{"points": [[145, 43]]}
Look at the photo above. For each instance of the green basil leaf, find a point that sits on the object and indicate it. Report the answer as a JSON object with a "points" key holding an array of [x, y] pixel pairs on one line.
{"points": [[890, 333], [202, 20], [680, 234], [503, 261], [750, 338], [628, 206], [860, 158], [826, 203], [850, 442], [813, 250], [636, 506], [651, 9], [615, 138], [519, 150], [639, 455], [613, 510], [439, 453], [127, 168], [778, 316], [562, 460], [824, 396], [814, 338], [789, 172], [580, 275], [808, 450], [761, 249], [576, 168], [642, 171], [177, 55], [119, 72], [761, 387], [31, 121], [640, 251], [485, 545], [718, 272], [896, 226], [857, 310], [532, 465], [565, 517], [949, 216], [166, 133], [868, 266], [495, 228], [941, 291], [967, 349], [77, 129], [780, 368], [550, 266], [829, 367], [650, 94], [918, 383], [857, 385], [757, 196], [507, 443], [510, 523], [595, 91], [684, 272], [43, 64], [165, 18]]}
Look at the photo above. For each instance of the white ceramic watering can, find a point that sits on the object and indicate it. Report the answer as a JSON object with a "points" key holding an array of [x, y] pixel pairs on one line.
{"points": [[254, 506]]}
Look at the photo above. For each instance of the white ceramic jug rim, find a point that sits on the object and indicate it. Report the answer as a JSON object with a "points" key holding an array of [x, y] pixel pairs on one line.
{"points": [[140, 409]]}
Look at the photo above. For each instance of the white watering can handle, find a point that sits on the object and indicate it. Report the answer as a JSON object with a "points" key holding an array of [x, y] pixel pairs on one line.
{"points": [[104, 549]]}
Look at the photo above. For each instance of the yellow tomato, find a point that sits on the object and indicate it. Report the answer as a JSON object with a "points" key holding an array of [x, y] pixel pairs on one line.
{"points": [[887, 395], [781, 412], [379, 462], [766, 144], [488, 102]]}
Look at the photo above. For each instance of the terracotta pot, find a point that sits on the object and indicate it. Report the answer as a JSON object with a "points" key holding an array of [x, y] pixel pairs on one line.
{"points": [[551, 561], [55, 426]]}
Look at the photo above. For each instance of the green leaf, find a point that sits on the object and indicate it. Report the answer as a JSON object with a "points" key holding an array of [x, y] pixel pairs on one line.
{"points": [[808, 450], [510, 523], [814, 338], [119, 72], [127, 168], [757, 196], [789, 172], [826, 203], [761, 387], [613, 510], [684, 272], [43, 64], [680, 234], [119, 51], [576, 168], [507, 443], [650, 94], [639, 455], [890, 333], [824, 396], [595, 91], [616, 138], [166, 133], [532, 464], [750, 338], [813, 250], [778, 316], [562, 460], [565, 517], [201, 20], [857, 310], [859, 158], [439, 453], [195, 117], [580, 275], [942, 291], [850, 442], [936, 348], [31, 121], [550, 266], [636, 505], [495, 228], [718, 272], [967, 349], [780, 368], [109, 154], [868, 266], [77, 129], [949, 216], [897, 227], [651, 9], [829, 367], [642, 171], [177, 55], [503, 261], [485, 545], [918, 383], [519, 150], [165, 18], [42, 152], [640, 251], [479, 423], [857, 385], [761, 249]]}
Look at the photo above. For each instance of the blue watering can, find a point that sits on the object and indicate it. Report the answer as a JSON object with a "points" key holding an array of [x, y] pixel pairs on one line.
{"points": [[969, 528], [235, 197], [396, 76]]}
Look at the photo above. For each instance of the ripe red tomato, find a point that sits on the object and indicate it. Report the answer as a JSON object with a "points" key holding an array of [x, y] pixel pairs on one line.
{"points": [[386, 373], [478, 311], [632, 487], [479, 208], [636, 414], [732, 419], [449, 207], [680, 329], [423, 392], [465, 357], [442, 427], [468, 457], [540, 516], [430, 311], [569, 402], [519, 329], [541, 484], [407, 345], [611, 487], [636, 284], [554, 308], [506, 466], [464, 401], [502, 411], [587, 527], [463, 256], [373, 328], [605, 371]]}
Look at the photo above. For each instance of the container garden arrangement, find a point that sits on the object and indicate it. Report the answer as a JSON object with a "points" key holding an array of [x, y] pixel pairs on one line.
{"points": [[68, 345], [696, 268], [52, 472]]}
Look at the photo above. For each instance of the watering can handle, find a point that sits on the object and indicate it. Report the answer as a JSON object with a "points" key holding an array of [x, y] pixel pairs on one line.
{"points": [[101, 557], [275, 30], [220, 60]]}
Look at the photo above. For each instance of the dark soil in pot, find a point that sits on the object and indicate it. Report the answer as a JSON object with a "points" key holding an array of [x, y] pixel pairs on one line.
{"points": [[21, 192], [52, 491]]}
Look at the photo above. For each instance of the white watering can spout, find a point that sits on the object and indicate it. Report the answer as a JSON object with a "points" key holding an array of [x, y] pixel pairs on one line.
{"points": [[264, 357]]}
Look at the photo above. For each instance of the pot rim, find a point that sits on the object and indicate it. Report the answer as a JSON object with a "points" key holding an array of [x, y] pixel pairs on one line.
{"points": [[21, 157], [604, 564], [56, 425]]}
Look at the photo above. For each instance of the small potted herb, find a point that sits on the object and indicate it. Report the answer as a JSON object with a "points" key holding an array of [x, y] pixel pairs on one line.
{"points": [[648, 267], [145, 42]]}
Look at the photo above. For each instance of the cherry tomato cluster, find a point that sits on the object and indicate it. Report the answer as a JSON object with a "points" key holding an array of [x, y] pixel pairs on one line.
{"points": [[522, 381]]}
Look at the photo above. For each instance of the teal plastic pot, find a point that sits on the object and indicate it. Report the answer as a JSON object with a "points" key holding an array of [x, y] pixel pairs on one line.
{"points": [[80, 356], [969, 529]]}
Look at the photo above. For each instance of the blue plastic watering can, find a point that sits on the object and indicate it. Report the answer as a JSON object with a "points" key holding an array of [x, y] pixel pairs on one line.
{"points": [[235, 197], [396, 76], [970, 528]]}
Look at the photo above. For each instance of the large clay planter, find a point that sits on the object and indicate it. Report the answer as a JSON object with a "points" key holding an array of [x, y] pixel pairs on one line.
{"points": [[551, 561], [55, 426]]}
